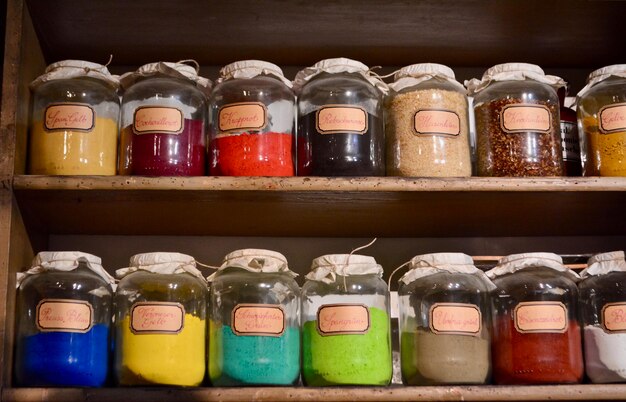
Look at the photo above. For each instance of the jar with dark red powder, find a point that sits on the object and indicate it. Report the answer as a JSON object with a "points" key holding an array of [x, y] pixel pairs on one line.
{"points": [[164, 121], [251, 121], [536, 335]]}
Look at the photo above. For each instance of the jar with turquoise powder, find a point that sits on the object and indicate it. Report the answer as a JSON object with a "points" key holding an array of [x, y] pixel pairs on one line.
{"points": [[254, 326], [345, 322]]}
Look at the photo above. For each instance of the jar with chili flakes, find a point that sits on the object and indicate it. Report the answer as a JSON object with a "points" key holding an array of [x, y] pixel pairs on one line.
{"points": [[251, 121], [536, 335], [516, 110]]}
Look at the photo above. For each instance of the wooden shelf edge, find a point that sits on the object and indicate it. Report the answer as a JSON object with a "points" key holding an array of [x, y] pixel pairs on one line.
{"points": [[317, 184], [393, 393]]}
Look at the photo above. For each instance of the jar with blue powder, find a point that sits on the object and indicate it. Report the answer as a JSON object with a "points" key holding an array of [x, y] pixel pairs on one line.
{"points": [[254, 335], [63, 319]]}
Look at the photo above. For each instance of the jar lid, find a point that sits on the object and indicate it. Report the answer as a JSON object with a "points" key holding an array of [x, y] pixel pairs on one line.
{"points": [[417, 73], [601, 74], [255, 260], [512, 72], [430, 264], [250, 69], [161, 263], [180, 70], [338, 65], [517, 262], [67, 69], [65, 261], [327, 267], [604, 263]]}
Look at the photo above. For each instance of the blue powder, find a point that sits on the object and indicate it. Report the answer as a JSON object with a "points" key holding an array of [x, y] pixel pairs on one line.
{"points": [[254, 360], [64, 359]]}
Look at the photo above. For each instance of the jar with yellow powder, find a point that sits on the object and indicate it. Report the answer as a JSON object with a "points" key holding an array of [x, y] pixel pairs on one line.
{"points": [[74, 124], [602, 122], [160, 310]]}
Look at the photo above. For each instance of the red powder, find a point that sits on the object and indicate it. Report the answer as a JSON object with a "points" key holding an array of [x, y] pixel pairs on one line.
{"points": [[266, 154], [536, 358]]}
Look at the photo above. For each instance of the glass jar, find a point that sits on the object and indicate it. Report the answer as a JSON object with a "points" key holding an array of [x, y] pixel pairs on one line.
{"points": [[252, 118], [603, 314], [74, 123], [602, 122], [63, 320], [340, 120], [164, 121], [445, 321], [536, 336], [160, 316], [427, 124], [345, 323], [517, 122], [254, 327], [572, 164]]}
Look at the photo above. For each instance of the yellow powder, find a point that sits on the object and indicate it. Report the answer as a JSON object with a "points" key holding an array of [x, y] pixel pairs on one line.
{"points": [[167, 359], [67, 152], [606, 153]]}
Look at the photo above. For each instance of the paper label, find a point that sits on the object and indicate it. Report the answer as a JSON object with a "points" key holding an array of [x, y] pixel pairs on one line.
{"points": [[343, 319], [155, 119], [69, 116], [334, 119], [613, 118], [64, 315], [455, 318], [569, 141], [242, 116], [550, 317], [522, 118], [157, 318], [437, 122], [614, 317], [258, 319]]}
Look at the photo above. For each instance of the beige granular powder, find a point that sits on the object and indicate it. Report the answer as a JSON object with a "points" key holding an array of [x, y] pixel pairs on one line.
{"points": [[410, 153]]}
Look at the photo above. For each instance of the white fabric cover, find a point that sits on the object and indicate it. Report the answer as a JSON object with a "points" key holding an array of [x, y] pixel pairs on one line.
{"points": [[327, 267], [167, 69], [255, 260], [161, 263], [417, 73], [517, 262], [65, 261], [338, 65], [604, 263], [601, 74], [251, 69], [67, 69], [512, 72]]}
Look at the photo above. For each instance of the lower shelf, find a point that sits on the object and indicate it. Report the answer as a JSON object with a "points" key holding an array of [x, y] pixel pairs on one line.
{"points": [[443, 393]]}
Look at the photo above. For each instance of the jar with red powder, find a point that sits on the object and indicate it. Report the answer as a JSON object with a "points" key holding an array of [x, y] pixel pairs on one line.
{"points": [[164, 121], [536, 335], [251, 121]]}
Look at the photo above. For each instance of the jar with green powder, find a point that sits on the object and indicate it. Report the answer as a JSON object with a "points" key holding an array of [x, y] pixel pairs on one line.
{"points": [[345, 323], [445, 321], [254, 325], [160, 317]]}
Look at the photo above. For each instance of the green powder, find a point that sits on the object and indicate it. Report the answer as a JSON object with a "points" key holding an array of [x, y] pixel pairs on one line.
{"points": [[355, 359]]}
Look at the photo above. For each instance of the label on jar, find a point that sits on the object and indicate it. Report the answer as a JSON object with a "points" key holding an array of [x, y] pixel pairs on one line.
{"points": [[614, 317], [436, 122], [64, 315], [548, 317], [336, 119], [156, 119], [569, 141], [258, 319], [242, 116], [455, 318], [69, 116], [613, 118], [343, 319], [519, 118], [157, 318]]}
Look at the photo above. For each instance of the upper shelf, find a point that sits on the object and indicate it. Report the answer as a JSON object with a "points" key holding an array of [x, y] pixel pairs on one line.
{"points": [[329, 207]]}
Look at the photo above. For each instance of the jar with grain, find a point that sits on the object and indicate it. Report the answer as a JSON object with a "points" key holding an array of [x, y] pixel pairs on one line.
{"points": [[445, 321], [64, 304], [254, 327], [160, 319], [345, 323], [427, 124], [602, 122], [164, 121], [516, 109], [75, 118], [603, 313], [536, 335], [251, 121], [340, 120]]}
